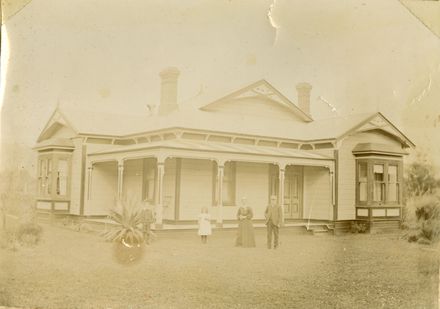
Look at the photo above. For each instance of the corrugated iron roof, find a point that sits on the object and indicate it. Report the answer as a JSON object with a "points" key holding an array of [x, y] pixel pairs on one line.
{"points": [[125, 125]]}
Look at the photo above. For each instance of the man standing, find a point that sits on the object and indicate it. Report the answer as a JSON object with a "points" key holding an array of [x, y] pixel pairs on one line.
{"points": [[274, 218]]}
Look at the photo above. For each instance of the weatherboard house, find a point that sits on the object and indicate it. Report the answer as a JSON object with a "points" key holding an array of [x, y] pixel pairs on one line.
{"points": [[253, 142]]}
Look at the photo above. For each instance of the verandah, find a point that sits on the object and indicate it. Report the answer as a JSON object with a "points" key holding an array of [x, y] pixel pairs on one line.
{"points": [[179, 185]]}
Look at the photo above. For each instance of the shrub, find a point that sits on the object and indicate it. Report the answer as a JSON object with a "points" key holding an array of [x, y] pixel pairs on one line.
{"points": [[423, 219], [424, 241], [358, 227], [412, 236], [29, 233]]}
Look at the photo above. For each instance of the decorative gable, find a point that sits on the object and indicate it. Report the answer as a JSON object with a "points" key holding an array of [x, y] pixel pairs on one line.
{"points": [[260, 97], [378, 122], [57, 127]]}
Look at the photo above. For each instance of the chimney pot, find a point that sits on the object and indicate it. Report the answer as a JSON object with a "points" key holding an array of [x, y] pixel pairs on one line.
{"points": [[304, 90], [168, 92]]}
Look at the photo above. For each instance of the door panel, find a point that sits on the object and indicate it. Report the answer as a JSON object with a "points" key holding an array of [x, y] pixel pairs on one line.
{"points": [[292, 195], [287, 200]]}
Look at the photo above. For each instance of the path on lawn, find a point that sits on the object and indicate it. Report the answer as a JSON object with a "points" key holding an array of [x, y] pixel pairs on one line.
{"points": [[77, 270]]}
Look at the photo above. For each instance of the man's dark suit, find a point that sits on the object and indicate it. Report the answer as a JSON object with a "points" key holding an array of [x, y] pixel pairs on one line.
{"points": [[274, 217]]}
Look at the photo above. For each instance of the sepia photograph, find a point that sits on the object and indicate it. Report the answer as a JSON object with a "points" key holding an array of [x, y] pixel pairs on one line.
{"points": [[220, 154]]}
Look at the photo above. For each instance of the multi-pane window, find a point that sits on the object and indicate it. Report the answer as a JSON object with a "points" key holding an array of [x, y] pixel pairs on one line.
{"points": [[363, 181], [48, 177], [393, 183], [41, 176], [53, 176], [378, 182], [44, 177], [61, 180]]}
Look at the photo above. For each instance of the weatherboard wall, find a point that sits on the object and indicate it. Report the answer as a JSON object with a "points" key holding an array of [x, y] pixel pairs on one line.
{"points": [[317, 194]]}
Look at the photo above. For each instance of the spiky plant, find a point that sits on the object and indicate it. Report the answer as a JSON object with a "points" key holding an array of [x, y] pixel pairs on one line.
{"points": [[128, 220]]}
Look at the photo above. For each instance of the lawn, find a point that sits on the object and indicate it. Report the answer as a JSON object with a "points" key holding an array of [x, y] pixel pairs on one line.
{"points": [[77, 270]]}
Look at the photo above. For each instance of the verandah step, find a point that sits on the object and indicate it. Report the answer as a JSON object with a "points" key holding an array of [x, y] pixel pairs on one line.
{"points": [[318, 229]]}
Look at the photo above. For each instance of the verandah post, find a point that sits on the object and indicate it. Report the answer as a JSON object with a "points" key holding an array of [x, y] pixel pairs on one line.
{"points": [[281, 189], [220, 175], [331, 171], [120, 178], [158, 199], [89, 181]]}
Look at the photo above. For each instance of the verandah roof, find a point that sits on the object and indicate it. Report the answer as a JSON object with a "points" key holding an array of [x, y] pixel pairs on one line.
{"points": [[207, 146]]}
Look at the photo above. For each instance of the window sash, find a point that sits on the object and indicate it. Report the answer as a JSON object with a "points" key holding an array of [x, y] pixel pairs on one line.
{"points": [[62, 177], [379, 183], [48, 177], [393, 193]]}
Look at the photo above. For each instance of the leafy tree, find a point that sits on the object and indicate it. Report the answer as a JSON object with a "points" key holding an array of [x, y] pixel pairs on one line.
{"points": [[421, 179]]}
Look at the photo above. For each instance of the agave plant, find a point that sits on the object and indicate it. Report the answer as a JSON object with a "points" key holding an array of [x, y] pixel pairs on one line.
{"points": [[127, 236], [129, 221]]}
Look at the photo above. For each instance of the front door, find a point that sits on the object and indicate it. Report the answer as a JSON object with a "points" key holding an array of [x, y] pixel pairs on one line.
{"points": [[293, 194]]}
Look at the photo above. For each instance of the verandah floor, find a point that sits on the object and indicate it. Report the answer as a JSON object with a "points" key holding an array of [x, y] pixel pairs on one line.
{"points": [[76, 270], [180, 226]]}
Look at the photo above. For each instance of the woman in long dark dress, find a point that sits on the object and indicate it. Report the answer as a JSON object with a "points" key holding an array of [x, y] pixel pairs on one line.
{"points": [[245, 233]]}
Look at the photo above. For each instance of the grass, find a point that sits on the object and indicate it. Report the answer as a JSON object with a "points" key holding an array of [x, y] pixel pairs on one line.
{"points": [[77, 270]]}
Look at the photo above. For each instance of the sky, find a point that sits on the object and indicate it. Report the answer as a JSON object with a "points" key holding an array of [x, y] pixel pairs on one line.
{"points": [[359, 56]]}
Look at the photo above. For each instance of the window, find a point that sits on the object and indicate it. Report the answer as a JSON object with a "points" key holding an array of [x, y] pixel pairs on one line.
{"points": [[228, 197], [44, 176], [378, 182], [48, 178], [41, 176], [61, 181], [53, 176], [393, 184], [363, 182]]}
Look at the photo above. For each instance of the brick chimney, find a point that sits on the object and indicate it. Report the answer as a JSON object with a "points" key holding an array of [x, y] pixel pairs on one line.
{"points": [[303, 90], [168, 91]]}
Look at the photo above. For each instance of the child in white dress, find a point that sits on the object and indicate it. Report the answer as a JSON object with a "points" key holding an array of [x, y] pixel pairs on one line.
{"points": [[204, 224]]}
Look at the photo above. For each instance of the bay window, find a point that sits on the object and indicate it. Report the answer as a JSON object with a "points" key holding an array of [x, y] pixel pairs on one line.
{"points": [[53, 175], [378, 182]]}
